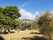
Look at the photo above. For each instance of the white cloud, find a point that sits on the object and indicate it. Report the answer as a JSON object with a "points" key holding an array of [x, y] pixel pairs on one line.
{"points": [[37, 14], [51, 11], [27, 15]]}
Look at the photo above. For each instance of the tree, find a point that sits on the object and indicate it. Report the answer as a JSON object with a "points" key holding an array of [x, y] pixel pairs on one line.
{"points": [[8, 16], [12, 12], [44, 24]]}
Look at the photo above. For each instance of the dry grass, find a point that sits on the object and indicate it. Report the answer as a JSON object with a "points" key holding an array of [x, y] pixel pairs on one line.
{"points": [[18, 35]]}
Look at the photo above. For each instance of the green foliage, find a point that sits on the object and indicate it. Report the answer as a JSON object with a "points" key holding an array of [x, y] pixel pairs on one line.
{"points": [[34, 25], [11, 11], [8, 15], [25, 25]]}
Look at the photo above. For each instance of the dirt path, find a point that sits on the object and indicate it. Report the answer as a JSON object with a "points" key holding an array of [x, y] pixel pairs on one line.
{"points": [[18, 35]]}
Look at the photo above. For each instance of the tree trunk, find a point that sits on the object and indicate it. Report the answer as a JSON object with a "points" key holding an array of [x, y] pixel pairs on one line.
{"points": [[8, 31]]}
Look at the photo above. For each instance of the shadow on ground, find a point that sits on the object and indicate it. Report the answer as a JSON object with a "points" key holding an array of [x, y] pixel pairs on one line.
{"points": [[1, 38], [34, 38]]}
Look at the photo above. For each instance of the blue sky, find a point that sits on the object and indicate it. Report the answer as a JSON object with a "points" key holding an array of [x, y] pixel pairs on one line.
{"points": [[31, 6]]}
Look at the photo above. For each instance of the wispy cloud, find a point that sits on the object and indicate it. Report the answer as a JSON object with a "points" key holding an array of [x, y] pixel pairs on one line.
{"points": [[24, 4]]}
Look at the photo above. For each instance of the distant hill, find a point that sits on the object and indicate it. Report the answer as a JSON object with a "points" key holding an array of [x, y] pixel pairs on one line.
{"points": [[26, 20]]}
